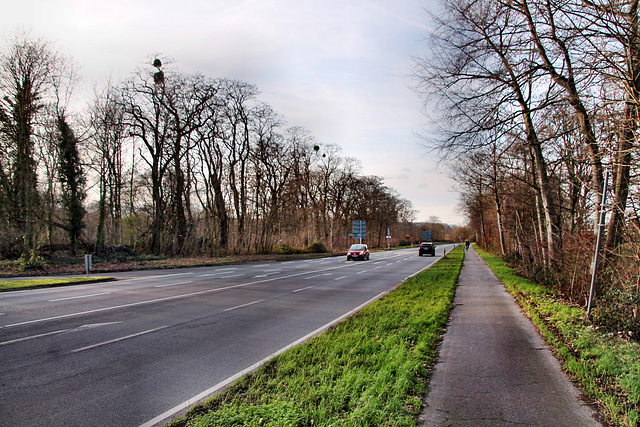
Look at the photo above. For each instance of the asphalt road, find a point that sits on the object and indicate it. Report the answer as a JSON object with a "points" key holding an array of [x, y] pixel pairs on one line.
{"points": [[135, 351]]}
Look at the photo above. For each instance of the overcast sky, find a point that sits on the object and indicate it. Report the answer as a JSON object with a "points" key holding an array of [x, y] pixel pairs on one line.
{"points": [[340, 68]]}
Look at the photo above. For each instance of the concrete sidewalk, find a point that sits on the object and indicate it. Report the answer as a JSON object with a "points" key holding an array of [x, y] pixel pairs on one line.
{"points": [[493, 367]]}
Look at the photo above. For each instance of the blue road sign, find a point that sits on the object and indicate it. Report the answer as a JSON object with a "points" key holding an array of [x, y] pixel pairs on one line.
{"points": [[359, 229]]}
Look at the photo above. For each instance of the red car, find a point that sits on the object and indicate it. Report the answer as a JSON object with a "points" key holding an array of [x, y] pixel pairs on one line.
{"points": [[358, 252]]}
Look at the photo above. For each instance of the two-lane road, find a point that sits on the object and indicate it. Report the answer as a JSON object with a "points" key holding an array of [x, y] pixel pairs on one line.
{"points": [[133, 351]]}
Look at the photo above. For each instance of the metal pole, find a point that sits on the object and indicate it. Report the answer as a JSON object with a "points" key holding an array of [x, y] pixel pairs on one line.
{"points": [[87, 264], [596, 258]]}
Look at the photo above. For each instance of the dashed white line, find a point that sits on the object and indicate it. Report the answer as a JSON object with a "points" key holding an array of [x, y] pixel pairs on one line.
{"points": [[266, 274], [33, 337], [230, 276], [81, 328], [152, 277], [302, 289], [318, 275], [243, 305], [339, 278], [152, 301], [173, 284], [221, 271], [118, 339], [78, 297], [171, 412]]}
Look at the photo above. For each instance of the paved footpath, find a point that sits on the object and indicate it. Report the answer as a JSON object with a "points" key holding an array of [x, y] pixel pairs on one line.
{"points": [[493, 368]]}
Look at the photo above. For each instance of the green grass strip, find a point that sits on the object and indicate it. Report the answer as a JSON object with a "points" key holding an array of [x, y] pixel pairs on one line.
{"points": [[14, 285], [606, 368], [368, 370]]}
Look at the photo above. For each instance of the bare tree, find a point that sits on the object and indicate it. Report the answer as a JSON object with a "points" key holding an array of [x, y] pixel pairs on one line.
{"points": [[489, 84], [149, 123], [107, 157], [186, 99], [550, 40]]}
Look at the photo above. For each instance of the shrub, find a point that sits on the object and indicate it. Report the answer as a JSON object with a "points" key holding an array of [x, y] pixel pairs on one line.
{"points": [[31, 261], [316, 248], [284, 249], [617, 311]]}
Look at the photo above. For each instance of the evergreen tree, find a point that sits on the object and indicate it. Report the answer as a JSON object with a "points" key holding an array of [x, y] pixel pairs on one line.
{"points": [[73, 182]]}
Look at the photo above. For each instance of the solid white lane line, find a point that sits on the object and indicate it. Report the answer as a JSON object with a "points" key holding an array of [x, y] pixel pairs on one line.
{"points": [[184, 405], [33, 337], [173, 284], [152, 301], [118, 339], [303, 289], [243, 305], [78, 297], [117, 307]]}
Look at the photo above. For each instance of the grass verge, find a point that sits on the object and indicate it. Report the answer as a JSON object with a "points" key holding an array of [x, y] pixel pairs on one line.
{"points": [[605, 367], [368, 370], [15, 285]]}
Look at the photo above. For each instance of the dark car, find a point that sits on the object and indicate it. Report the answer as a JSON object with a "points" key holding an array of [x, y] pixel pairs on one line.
{"points": [[427, 248], [358, 252]]}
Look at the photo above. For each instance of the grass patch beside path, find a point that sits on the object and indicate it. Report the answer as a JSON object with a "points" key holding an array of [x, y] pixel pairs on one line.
{"points": [[368, 370], [605, 367], [15, 285]]}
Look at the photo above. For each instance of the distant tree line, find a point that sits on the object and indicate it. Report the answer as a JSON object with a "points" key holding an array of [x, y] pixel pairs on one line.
{"points": [[540, 100], [168, 163]]}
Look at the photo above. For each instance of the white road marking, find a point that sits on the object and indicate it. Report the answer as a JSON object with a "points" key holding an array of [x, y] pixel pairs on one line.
{"points": [[233, 275], [33, 337], [173, 284], [81, 328], [97, 325], [221, 271], [318, 275], [78, 297], [158, 276], [341, 277], [169, 298], [118, 339], [188, 403], [268, 273], [302, 289], [243, 305]]}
